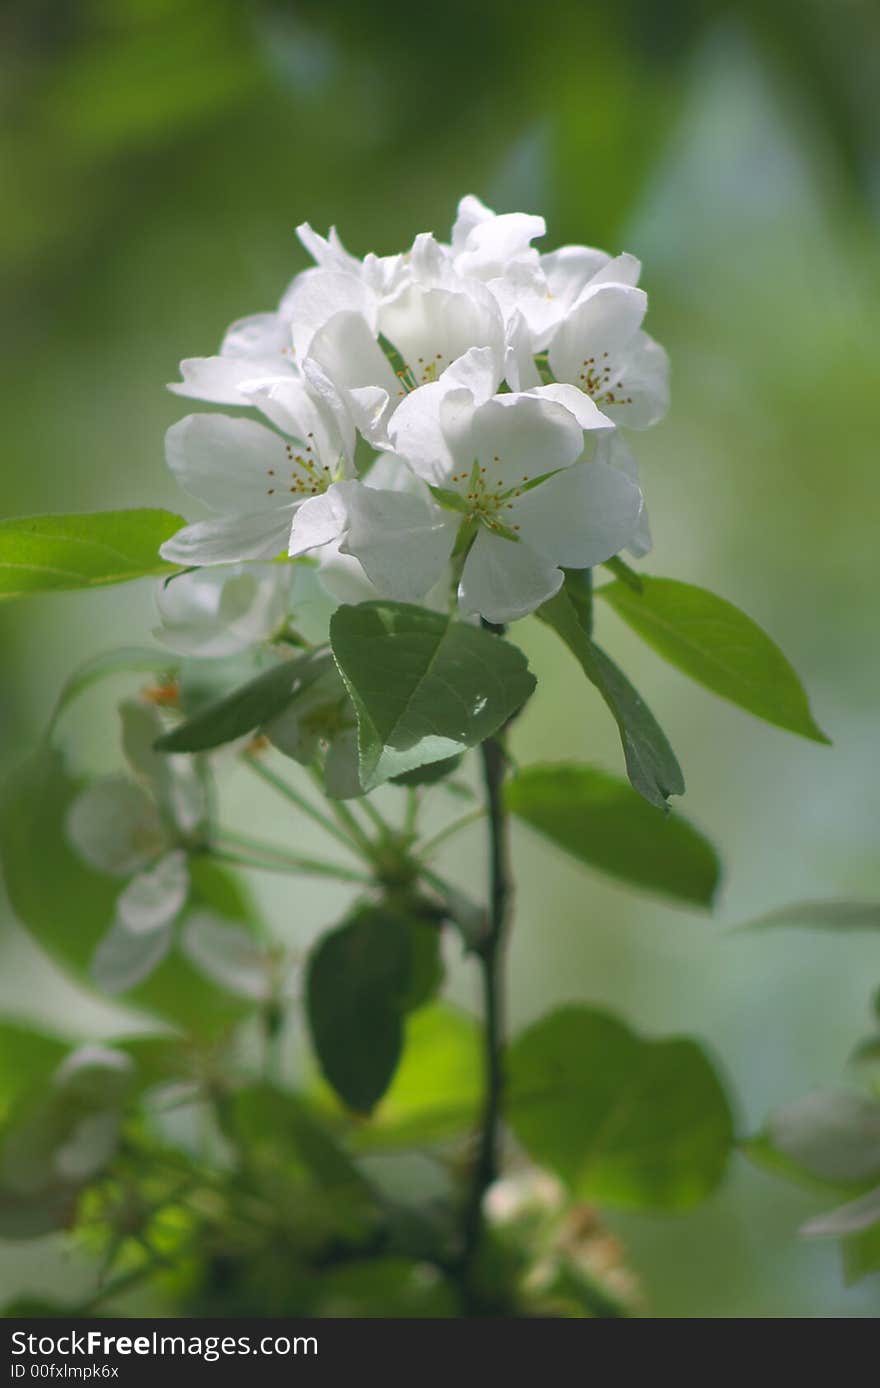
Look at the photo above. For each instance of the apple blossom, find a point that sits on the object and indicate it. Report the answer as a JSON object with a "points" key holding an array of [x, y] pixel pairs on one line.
{"points": [[139, 829], [221, 611], [254, 477], [518, 468]]}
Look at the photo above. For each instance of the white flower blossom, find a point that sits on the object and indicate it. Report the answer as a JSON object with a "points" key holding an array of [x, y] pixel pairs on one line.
{"points": [[440, 358], [518, 467], [138, 829], [254, 477], [217, 612]]}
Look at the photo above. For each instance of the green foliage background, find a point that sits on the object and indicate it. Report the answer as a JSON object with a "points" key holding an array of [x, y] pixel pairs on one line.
{"points": [[155, 156]]}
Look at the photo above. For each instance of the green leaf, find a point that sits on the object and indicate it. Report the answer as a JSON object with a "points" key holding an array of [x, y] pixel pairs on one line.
{"points": [[282, 1127], [68, 907], [239, 713], [718, 646], [395, 1288], [428, 775], [40, 554], [822, 915], [861, 1254], [27, 1058], [601, 821], [621, 1119], [357, 982], [650, 761], [424, 686], [436, 1092]]}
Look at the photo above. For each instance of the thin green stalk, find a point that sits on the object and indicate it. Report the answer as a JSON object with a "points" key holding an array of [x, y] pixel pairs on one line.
{"points": [[308, 867], [353, 842], [412, 811], [379, 822], [345, 817], [435, 840]]}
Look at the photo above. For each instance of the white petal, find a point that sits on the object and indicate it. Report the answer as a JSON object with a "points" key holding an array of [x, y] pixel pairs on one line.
{"points": [[370, 408], [602, 325], [520, 370], [317, 522], [123, 959], [227, 954], [218, 379], [581, 516], [317, 296], [569, 269], [229, 464], [479, 370], [504, 580], [587, 414], [494, 241], [262, 336], [645, 376], [516, 437], [621, 269], [432, 328], [154, 897], [471, 212], [343, 577], [219, 612], [430, 264], [613, 452], [346, 350], [309, 410], [115, 826], [260, 535], [416, 434], [329, 253], [403, 541]]}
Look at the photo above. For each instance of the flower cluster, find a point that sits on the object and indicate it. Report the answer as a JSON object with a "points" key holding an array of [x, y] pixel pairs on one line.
{"points": [[447, 420]]}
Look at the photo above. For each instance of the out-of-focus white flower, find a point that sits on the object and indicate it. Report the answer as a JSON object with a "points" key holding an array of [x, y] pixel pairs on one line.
{"points": [[220, 612], [139, 829]]}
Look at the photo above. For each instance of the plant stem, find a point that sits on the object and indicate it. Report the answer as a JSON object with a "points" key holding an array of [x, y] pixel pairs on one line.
{"points": [[293, 795], [351, 827], [309, 867], [375, 817], [442, 835], [411, 813], [490, 953]]}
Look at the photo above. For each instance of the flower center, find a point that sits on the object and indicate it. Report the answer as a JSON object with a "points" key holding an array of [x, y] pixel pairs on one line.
{"points": [[486, 498], [302, 474], [596, 379]]}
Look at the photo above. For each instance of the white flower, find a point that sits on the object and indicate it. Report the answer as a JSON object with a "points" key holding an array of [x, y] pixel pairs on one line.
{"points": [[517, 466], [390, 524], [427, 329], [343, 576], [256, 478], [220, 612], [138, 830], [538, 287], [600, 348], [254, 349]]}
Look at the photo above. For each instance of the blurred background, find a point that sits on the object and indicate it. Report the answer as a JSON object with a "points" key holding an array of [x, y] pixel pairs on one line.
{"points": [[155, 156]]}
